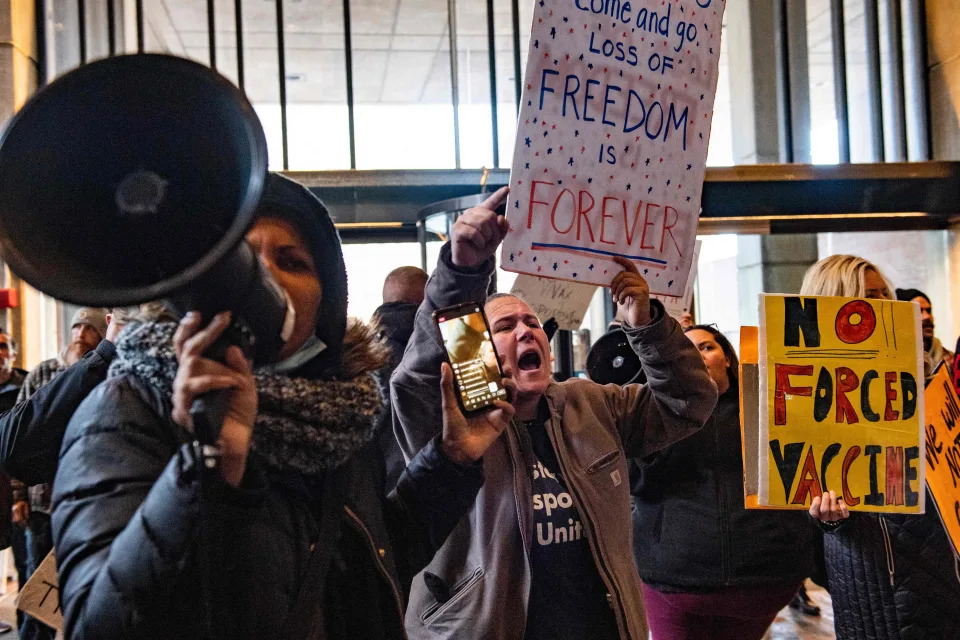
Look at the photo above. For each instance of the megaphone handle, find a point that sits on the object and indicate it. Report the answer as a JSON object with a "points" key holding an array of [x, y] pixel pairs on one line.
{"points": [[209, 410]]}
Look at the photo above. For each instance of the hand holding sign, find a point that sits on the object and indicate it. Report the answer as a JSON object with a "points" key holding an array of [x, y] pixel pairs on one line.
{"points": [[829, 509], [478, 232], [631, 291]]}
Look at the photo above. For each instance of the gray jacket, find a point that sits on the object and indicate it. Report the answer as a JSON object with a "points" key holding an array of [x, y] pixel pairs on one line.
{"points": [[593, 429]]}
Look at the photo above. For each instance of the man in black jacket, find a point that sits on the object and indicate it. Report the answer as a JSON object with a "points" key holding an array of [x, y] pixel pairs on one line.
{"points": [[402, 295], [31, 431], [11, 379]]}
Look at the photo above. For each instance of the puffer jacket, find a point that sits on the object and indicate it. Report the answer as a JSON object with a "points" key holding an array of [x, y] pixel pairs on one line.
{"points": [[151, 544], [893, 577], [593, 428], [690, 528]]}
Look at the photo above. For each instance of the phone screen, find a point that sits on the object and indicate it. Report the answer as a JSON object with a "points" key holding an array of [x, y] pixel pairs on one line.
{"points": [[476, 370]]}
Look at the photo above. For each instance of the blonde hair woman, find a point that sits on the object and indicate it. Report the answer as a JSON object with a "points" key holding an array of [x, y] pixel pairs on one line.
{"points": [[846, 275], [892, 577]]}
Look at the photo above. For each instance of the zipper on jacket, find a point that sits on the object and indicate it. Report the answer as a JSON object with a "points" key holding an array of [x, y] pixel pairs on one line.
{"points": [[383, 569], [519, 466], [590, 528], [888, 548]]}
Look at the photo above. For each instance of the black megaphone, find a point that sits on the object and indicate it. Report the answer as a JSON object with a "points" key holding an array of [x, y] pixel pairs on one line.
{"points": [[135, 178]]}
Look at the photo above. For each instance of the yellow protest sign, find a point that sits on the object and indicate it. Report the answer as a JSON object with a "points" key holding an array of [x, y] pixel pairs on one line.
{"points": [[839, 403], [943, 451]]}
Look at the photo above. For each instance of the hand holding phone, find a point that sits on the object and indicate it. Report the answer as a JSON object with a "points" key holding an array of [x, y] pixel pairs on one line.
{"points": [[467, 438], [477, 373]]}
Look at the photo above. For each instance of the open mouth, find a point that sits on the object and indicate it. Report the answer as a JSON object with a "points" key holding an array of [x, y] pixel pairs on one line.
{"points": [[530, 361]]}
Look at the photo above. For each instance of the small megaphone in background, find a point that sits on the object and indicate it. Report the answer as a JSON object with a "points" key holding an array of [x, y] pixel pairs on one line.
{"points": [[135, 178], [612, 360]]}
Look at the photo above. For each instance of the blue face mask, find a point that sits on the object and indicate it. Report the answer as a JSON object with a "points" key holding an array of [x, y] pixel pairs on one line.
{"points": [[310, 349]]}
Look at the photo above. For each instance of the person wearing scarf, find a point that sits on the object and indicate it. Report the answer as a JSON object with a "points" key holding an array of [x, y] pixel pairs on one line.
{"points": [[283, 531]]}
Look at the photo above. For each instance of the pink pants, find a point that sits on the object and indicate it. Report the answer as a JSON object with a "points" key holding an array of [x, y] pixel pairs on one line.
{"points": [[729, 613]]}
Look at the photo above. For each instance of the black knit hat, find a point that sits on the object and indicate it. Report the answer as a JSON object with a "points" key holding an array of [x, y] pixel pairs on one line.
{"points": [[288, 200]]}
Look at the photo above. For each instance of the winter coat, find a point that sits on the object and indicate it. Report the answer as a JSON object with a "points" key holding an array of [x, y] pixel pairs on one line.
{"points": [[37, 495], [8, 398], [31, 432], [893, 577], [691, 530], [395, 320], [151, 544], [592, 428]]}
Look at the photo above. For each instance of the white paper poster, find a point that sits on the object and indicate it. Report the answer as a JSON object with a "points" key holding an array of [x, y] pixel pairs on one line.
{"points": [[566, 302], [612, 139]]}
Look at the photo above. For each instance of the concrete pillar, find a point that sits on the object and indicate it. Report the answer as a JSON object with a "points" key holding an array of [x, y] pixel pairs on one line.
{"points": [[943, 76], [767, 263], [943, 60], [771, 264]]}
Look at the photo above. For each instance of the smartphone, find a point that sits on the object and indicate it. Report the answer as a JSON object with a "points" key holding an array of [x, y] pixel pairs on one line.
{"points": [[477, 374]]}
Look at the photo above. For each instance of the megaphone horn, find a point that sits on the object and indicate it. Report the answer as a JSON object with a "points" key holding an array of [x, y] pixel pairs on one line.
{"points": [[135, 178]]}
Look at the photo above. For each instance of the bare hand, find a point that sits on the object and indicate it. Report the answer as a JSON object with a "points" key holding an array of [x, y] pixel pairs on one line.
{"points": [[478, 232], [197, 375], [686, 320], [20, 513], [465, 440], [829, 509], [631, 291]]}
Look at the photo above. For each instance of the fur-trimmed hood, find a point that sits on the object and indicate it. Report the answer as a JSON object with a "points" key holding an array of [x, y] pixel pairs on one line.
{"points": [[361, 352]]}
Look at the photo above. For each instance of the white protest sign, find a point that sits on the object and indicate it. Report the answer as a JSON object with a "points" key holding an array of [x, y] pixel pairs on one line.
{"points": [[40, 597], [676, 306], [612, 139], [566, 302]]}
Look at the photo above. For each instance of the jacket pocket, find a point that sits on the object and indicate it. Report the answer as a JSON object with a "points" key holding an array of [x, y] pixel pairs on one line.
{"points": [[458, 596], [605, 460]]}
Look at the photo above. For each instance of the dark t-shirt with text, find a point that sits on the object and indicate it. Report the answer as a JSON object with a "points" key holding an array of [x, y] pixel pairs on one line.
{"points": [[568, 599]]}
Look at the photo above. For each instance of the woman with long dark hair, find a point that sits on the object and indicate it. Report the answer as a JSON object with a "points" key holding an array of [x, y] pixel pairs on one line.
{"points": [[282, 531], [710, 567]]}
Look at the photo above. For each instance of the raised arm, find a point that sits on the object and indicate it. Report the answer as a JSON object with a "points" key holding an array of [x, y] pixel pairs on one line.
{"points": [[679, 395], [32, 431], [462, 275]]}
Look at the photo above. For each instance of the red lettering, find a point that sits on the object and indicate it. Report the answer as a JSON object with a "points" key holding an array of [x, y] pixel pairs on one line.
{"points": [[669, 225], [533, 200], [895, 486], [582, 214], [553, 213], [604, 215], [633, 227], [647, 223], [847, 381], [809, 485], [888, 413], [848, 459], [866, 322], [783, 373]]}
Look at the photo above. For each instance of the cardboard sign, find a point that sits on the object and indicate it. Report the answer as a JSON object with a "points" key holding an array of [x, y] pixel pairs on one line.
{"points": [[676, 306], [612, 139], [839, 404], [943, 452], [40, 597], [566, 302]]}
